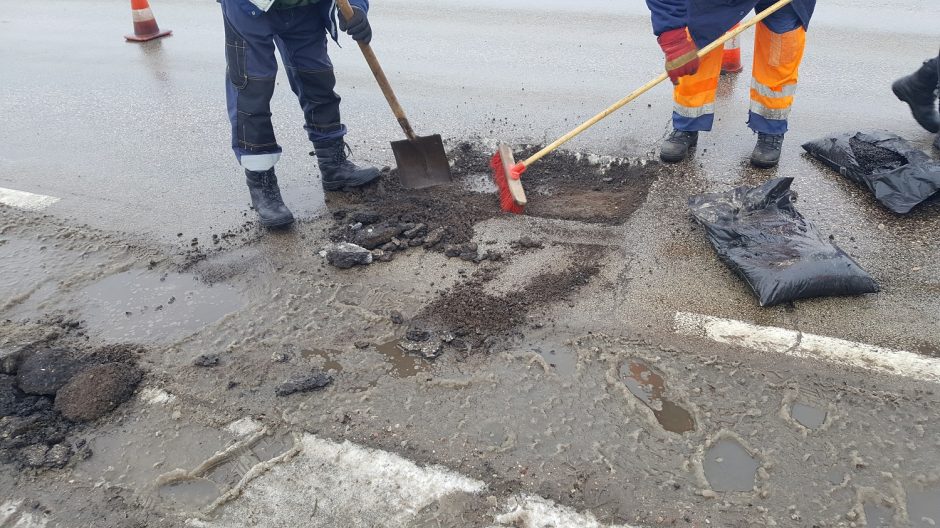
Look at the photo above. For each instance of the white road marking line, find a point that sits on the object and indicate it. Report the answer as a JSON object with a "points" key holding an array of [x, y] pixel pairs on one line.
{"points": [[536, 512], [341, 484], [25, 200], [802, 345], [345, 484]]}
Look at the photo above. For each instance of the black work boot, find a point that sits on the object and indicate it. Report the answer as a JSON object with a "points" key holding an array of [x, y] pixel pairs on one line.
{"points": [[338, 173], [767, 152], [677, 145], [266, 198], [918, 90]]}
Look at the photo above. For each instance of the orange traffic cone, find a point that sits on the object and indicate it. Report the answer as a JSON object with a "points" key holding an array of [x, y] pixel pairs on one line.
{"points": [[145, 25], [731, 60]]}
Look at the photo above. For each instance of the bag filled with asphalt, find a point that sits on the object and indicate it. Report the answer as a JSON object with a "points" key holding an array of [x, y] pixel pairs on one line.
{"points": [[900, 175], [760, 235]]}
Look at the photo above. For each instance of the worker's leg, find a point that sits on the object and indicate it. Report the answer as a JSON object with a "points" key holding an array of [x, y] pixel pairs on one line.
{"points": [[250, 78], [694, 107], [302, 41], [778, 50], [919, 91], [694, 96]]}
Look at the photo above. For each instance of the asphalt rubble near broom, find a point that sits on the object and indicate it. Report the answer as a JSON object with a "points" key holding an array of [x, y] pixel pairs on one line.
{"points": [[385, 220], [377, 223]]}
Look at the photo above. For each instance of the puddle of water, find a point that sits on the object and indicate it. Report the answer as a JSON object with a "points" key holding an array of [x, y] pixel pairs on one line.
{"points": [[808, 416], [878, 516], [650, 388], [729, 467], [404, 365], [835, 476], [923, 508], [564, 361], [145, 306], [329, 361], [194, 493]]}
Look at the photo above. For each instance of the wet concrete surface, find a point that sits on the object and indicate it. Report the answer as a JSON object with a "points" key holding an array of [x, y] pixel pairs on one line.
{"points": [[546, 409]]}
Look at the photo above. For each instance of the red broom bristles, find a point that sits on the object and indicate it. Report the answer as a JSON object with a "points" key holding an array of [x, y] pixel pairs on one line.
{"points": [[506, 201]]}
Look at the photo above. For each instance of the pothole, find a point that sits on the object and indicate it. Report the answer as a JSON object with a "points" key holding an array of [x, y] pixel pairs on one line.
{"points": [[808, 416], [191, 494], [404, 365], [563, 360], [923, 508], [142, 306], [729, 467], [327, 361], [650, 388], [878, 515]]}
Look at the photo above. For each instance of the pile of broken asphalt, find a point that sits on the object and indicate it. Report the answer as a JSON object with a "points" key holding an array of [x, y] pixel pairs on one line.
{"points": [[47, 394]]}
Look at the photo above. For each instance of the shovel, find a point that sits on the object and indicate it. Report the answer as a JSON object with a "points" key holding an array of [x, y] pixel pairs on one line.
{"points": [[421, 159]]}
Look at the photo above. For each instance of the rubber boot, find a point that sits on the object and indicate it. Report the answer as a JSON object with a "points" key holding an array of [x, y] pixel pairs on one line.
{"points": [[266, 198], [677, 145], [338, 173], [918, 90], [767, 151]]}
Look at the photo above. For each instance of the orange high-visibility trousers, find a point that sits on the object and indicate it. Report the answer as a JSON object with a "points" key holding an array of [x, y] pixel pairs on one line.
{"points": [[777, 58]]}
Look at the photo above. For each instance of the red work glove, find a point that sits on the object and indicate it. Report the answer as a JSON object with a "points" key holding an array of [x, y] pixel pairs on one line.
{"points": [[681, 58]]}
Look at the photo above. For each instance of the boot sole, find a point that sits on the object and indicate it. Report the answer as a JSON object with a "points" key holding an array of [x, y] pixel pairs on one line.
{"points": [[346, 186], [904, 98], [278, 224], [764, 164]]}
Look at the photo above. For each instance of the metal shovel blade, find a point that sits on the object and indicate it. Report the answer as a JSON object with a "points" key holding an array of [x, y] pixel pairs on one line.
{"points": [[422, 162]]}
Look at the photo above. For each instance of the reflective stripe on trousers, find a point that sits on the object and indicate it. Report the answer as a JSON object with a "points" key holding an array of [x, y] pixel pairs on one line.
{"points": [[776, 65], [694, 96], [777, 58]]}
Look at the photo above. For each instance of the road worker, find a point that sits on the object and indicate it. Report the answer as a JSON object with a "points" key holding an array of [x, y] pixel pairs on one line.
{"points": [[298, 29], [682, 27]]}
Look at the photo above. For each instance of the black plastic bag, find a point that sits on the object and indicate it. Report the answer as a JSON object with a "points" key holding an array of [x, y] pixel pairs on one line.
{"points": [[900, 175], [758, 233]]}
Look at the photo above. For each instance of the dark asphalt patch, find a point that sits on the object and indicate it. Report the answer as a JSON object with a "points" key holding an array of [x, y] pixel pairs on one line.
{"points": [[564, 185]]}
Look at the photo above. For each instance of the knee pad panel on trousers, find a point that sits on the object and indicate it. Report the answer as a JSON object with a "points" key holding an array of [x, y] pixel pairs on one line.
{"points": [[318, 99], [253, 128]]}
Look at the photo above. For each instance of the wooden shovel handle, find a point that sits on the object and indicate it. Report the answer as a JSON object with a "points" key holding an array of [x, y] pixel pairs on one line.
{"points": [[347, 13], [648, 86]]}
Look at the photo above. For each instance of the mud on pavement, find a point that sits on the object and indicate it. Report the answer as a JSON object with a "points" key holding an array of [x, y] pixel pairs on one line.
{"points": [[491, 362]]}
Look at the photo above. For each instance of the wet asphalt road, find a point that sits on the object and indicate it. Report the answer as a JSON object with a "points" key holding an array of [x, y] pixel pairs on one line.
{"points": [[134, 137]]}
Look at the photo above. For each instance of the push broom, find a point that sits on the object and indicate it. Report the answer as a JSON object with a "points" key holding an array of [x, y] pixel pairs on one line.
{"points": [[507, 173]]}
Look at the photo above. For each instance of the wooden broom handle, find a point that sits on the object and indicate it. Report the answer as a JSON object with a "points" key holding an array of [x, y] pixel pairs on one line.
{"points": [[648, 86], [347, 13]]}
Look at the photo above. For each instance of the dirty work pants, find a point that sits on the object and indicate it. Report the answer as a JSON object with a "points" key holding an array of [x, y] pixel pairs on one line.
{"points": [[778, 50], [300, 36]]}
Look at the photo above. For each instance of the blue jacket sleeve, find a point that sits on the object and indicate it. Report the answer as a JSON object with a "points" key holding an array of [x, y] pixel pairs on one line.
{"points": [[668, 14], [362, 4]]}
